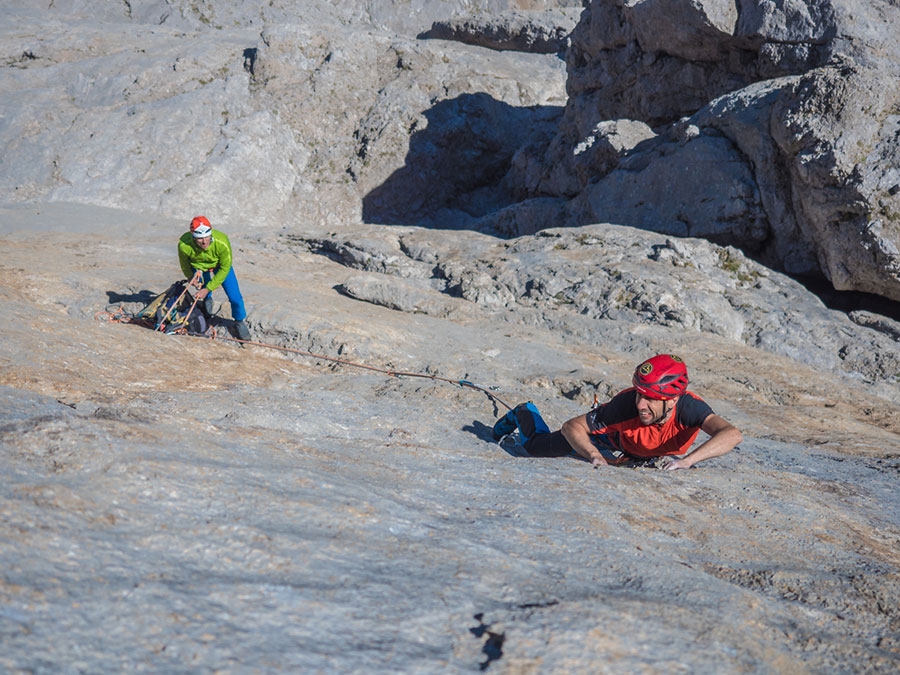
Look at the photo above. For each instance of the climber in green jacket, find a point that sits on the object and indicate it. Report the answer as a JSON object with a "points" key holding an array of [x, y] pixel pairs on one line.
{"points": [[209, 251]]}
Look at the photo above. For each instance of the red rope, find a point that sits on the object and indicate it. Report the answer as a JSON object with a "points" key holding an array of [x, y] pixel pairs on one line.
{"points": [[121, 316]]}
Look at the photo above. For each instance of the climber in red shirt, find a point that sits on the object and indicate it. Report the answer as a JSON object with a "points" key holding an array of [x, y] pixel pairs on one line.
{"points": [[656, 417]]}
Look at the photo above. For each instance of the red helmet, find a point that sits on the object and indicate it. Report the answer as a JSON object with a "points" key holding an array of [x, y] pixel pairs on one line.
{"points": [[662, 377], [200, 227]]}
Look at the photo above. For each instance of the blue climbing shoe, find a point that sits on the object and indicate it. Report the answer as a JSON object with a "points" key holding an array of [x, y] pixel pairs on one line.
{"points": [[529, 421], [524, 417], [505, 425]]}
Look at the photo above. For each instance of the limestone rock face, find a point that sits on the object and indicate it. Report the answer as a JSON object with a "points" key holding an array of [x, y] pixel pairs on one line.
{"points": [[777, 130], [772, 127], [259, 118], [591, 275], [539, 32], [839, 129], [418, 238], [331, 499]]}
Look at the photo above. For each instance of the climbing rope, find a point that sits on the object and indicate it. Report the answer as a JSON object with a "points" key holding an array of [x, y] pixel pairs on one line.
{"points": [[119, 315], [173, 311], [387, 371]]}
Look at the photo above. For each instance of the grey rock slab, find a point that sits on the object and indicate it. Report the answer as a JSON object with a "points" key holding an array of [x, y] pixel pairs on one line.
{"points": [[607, 274], [295, 118], [789, 111], [186, 504], [526, 31], [311, 112]]}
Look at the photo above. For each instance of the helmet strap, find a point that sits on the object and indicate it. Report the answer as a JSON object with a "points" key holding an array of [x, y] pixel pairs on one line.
{"points": [[666, 410]]}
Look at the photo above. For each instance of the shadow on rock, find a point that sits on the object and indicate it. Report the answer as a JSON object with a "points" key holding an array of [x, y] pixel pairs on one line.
{"points": [[143, 297], [455, 166], [485, 433]]}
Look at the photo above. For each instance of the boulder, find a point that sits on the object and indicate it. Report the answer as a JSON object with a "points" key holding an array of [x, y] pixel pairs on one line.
{"points": [[544, 32], [776, 128], [838, 130]]}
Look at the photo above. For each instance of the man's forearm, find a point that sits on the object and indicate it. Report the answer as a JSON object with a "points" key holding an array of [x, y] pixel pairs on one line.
{"points": [[576, 433], [718, 445]]}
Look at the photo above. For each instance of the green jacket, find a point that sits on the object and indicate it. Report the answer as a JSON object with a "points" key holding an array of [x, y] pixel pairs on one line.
{"points": [[217, 257]]}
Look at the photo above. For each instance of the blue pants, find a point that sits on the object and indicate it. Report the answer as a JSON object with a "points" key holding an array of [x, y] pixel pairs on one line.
{"points": [[233, 291]]}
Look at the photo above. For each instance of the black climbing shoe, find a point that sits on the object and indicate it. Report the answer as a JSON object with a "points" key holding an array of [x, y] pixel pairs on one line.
{"points": [[241, 330]]}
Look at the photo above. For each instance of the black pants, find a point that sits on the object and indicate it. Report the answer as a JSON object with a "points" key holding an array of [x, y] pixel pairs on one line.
{"points": [[544, 443], [553, 444]]}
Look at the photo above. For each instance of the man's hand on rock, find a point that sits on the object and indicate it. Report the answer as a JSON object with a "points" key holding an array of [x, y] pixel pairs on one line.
{"points": [[598, 461]]}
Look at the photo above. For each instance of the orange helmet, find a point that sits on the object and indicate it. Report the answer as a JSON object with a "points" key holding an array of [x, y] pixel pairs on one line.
{"points": [[662, 377], [200, 227]]}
